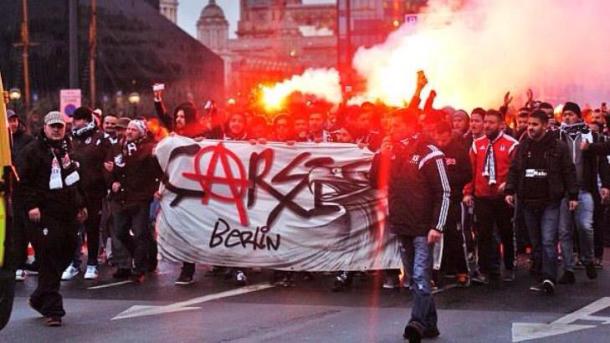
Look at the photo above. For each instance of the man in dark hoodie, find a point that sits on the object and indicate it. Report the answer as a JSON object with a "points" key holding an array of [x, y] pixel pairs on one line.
{"points": [[574, 131], [20, 139], [90, 146], [540, 175], [459, 172], [54, 204]]}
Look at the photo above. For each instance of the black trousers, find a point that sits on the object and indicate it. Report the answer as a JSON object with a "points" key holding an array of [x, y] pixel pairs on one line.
{"points": [[55, 240], [135, 218], [454, 256], [492, 213], [19, 236]]}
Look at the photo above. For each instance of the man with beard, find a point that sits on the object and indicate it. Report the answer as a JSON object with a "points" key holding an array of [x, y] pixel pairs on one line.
{"points": [[540, 175], [573, 132], [491, 156], [54, 205], [134, 180], [90, 148], [418, 199]]}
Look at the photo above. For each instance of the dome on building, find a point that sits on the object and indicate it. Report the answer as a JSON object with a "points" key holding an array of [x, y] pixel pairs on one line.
{"points": [[212, 14]]}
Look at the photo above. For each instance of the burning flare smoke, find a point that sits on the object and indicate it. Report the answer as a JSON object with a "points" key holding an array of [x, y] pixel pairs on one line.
{"points": [[473, 51], [322, 83]]}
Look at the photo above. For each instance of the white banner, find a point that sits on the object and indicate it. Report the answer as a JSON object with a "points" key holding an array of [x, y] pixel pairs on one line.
{"points": [[302, 207]]}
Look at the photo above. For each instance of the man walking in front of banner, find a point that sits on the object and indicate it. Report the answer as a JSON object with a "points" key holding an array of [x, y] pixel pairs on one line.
{"points": [[418, 199]]}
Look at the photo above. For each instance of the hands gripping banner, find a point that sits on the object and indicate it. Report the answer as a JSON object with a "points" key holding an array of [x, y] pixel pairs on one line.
{"points": [[290, 207]]}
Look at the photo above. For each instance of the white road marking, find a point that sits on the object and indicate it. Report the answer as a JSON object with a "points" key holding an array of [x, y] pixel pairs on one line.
{"points": [[142, 310], [528, 331], [108, 285]]}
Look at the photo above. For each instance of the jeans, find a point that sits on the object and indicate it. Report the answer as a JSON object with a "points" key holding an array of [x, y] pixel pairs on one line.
{"points": [[582, 218], [417, 259], [542, 224], [134, 218]]}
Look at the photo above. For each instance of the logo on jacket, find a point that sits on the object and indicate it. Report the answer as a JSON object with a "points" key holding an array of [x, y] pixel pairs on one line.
{"points": [[88, 140], [119, 161], [502, 147], [450, 161], [415, 159]]}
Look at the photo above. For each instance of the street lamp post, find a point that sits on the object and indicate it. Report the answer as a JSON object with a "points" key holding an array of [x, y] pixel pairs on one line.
{"points": [[134, 100], [14, 95]]}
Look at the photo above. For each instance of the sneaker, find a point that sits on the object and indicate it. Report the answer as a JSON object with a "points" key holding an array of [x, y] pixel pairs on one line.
{"points": [[598, 263], [567, 278], [579, 265], [342, 281], [184, 279], [591, 271], [462, 280], [411, 334], [121, 274], [288, 280], [20, 275], [240, 278], [509, 276], [546, 286], [52, 321], [391, 282], [480, 279], [69, 273], [92, 273]]}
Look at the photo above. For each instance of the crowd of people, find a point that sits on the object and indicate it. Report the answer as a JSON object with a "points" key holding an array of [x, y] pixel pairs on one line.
{"points": [[502, 182]]}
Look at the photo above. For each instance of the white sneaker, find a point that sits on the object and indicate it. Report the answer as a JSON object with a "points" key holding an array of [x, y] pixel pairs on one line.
{"points": [[20, 275], [91, 273], [69, 273]]}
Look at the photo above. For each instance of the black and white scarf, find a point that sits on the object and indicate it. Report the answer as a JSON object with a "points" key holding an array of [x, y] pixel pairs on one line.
{"points": [[84, 131], [489, 168]]}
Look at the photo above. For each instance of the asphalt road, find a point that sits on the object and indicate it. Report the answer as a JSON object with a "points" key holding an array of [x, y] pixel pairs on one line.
{"points": [[213, 310]]}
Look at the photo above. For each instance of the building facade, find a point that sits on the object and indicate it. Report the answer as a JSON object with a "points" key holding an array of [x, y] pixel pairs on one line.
{"points": [[169, 9], [275, 40]]}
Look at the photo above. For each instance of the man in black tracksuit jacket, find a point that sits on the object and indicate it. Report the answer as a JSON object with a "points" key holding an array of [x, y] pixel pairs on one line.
{"points": [[459, 171], [541, 175], [134, 179], [54, 205], [418, 199]]}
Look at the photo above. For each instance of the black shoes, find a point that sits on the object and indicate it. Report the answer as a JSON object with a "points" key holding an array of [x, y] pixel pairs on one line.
{"points": [[137, 277], [342, 281], [412, 334], [185, 278], [567, 278], [591, 271]]}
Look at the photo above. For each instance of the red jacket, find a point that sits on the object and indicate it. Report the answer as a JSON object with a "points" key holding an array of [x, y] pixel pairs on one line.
{"points": [[504, 148]]}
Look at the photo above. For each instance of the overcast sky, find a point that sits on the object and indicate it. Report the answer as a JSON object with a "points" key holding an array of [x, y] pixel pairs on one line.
{"points": [[189, 11]]}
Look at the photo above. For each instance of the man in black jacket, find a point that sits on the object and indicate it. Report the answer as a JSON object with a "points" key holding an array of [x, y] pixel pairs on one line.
{"points": [[54, 205], [20, 139], [540, 175], [573, 131], [459, 171], [418, 199], [134, 180], [90, 146]]}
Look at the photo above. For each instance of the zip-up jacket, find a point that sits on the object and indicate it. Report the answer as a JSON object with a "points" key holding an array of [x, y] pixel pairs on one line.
{"points": [[588, 164], [504, 147], [418, 187], [559, 170], [459, 169], [90, 150]]}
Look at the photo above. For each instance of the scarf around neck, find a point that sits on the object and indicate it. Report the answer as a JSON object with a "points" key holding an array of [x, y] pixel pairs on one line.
{"points": [[489, 168], [84, 131]]}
